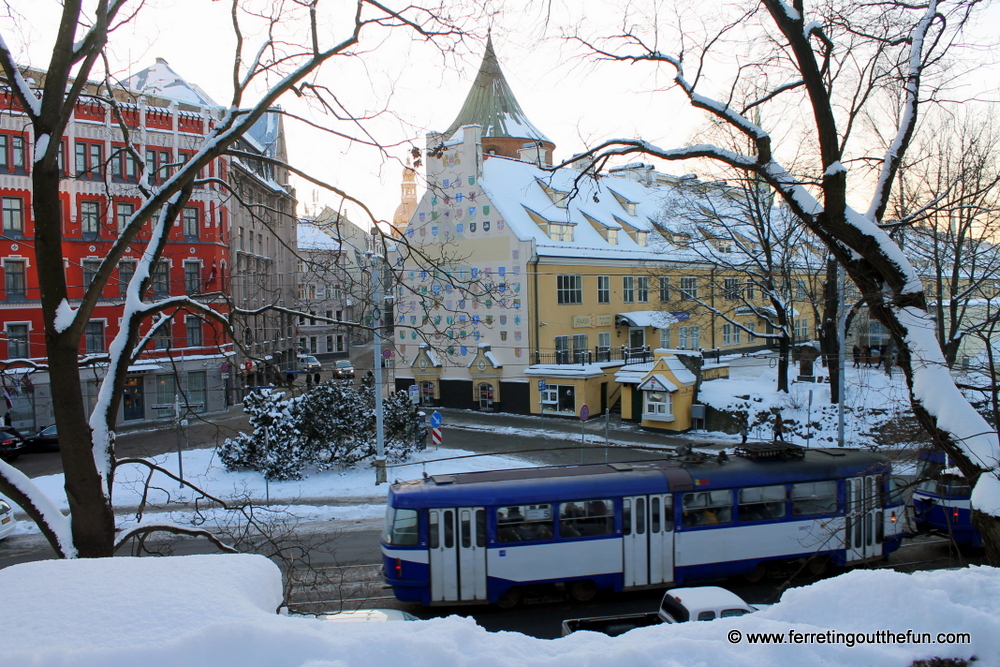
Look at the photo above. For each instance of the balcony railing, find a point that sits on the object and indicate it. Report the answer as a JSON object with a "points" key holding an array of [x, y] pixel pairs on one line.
{"points": [[624, 354]]}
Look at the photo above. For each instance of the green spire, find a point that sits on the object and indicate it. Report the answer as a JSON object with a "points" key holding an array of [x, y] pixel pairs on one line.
{"points": [[492, 105]]}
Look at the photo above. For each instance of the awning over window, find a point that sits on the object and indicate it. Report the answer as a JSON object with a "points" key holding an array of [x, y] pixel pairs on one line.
{"points": [[646, 318]]}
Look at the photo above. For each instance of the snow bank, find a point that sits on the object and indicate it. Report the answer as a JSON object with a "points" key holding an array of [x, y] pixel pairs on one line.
{"points": [[219, 610]]}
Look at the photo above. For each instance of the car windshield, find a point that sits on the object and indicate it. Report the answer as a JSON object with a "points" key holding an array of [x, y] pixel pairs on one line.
{"points": [[309, 360], [343, 364]]}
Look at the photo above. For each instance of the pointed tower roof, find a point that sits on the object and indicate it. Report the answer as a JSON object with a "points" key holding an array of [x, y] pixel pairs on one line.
{"points": [[491, 105]]}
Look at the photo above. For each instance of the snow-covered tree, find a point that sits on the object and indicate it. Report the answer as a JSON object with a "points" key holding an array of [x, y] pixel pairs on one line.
{"points": [[297, 39], [840, 65], [330, 426]]}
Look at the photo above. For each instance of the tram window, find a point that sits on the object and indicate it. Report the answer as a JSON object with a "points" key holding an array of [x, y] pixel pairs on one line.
{"points": [[432, 530], [879, 528], [480, 528], [706, 508], [654, 515], [706, 616], [814, 498], [519, 523], [847, 532], [401, 527], [640, 516], [449, 530], [584, 518], [730, 613], [466, 530], [928, 485], [953, 486], [626, 517], [668, 513], [762, 503]]}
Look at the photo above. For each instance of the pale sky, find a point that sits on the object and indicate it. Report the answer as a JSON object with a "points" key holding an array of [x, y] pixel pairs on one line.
{"points": [[572, 100]]}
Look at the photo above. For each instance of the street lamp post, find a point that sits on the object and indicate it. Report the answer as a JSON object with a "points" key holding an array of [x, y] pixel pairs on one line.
{"points": [[380, 473]]}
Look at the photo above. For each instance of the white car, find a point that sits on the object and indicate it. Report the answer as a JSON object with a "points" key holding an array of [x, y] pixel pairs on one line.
{"points": [[7, 522], [368, 615]]}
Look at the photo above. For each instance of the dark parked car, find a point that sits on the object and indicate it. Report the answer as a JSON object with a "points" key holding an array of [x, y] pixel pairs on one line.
{"points": [[343, 369], [11, 444], [45, 440]]}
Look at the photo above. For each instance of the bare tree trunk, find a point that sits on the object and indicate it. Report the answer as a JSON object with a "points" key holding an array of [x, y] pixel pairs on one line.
{"points": [[90, 508], [829, 331]]}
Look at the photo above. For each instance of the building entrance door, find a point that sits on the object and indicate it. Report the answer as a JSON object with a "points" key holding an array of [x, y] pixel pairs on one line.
{"points": [[132, 399]]}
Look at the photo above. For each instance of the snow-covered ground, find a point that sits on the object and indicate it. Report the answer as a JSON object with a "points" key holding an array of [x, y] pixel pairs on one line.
{"points": [[219, 610], [352, 497]]}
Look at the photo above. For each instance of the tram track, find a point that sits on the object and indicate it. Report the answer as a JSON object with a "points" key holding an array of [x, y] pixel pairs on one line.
{"points": [[337, 587]]}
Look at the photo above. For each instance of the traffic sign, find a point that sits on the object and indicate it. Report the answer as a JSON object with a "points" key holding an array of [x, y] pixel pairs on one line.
{"points": [[387, 353], [436, 436], [584, 413], [541, 385], [436, 419]]}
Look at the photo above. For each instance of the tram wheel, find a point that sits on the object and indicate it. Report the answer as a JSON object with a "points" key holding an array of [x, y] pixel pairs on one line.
{"points": [[582, 591], [818, 566], [510, 599], [757, 574]]}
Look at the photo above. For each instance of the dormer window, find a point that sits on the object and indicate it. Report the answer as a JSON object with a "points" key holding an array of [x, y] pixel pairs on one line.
{"points": [[607, 232], [558, 197], [638, 235], [625, 203], [557, 231]]}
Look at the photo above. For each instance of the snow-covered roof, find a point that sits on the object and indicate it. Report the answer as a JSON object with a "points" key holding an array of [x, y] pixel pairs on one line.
{"points": [[647, 318], [680, 371], [567, 370], [312, 237], [161, 80], [657, 382], [528, 197]]}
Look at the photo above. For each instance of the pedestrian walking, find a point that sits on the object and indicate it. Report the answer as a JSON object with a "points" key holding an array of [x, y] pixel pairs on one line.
{"points": [[856, 353], [744, 430], [779, 427]]}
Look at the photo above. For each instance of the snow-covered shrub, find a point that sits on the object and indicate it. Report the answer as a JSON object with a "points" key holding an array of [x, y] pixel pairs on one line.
{"points": [[333, 425], [405, 430], [275, 445], [336, 428]]}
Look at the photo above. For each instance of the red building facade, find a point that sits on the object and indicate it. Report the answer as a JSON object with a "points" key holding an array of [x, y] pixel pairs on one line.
{"points": [[191, 356]]}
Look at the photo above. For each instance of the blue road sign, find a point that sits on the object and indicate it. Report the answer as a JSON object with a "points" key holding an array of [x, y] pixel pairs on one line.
{"points": [[436, 419]]}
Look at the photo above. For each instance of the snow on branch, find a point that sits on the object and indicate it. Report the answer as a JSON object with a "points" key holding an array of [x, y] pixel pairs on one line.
{"points": [[144, 530], [908, 116], [54, 524], [19, 87]]}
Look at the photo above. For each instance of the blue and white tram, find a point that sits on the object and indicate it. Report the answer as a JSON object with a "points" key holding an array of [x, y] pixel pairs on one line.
{"points": [[942, 500], [483, 537]]}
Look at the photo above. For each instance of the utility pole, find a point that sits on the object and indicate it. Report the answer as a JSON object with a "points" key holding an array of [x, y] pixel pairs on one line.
{"points": [[841, 343], [377, 306]]}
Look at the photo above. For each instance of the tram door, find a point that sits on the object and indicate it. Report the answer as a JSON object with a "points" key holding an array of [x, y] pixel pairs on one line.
{"points": [[863, 528], [648, 540], [457, 539]]}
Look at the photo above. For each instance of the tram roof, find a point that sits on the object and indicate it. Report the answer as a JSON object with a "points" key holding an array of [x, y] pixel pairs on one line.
{"points": [[574, 482]]}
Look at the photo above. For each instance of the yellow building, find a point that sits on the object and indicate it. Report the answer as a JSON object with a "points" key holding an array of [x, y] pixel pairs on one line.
{"points": [[535, 291]]}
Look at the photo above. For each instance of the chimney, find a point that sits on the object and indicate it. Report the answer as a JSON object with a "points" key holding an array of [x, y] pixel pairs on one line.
{"points": [[532, 152]]}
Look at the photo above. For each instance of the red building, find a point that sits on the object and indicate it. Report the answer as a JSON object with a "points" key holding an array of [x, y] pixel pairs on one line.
{"points": [[190, 357]]}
